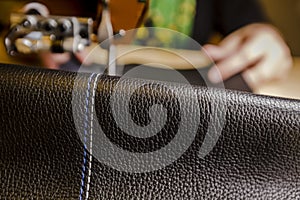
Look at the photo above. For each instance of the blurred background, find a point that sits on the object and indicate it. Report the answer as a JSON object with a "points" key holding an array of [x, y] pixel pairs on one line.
{"points": [[56, 7], [283, 14]]}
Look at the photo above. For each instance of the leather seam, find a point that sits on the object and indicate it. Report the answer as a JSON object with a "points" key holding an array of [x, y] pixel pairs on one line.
{"points": [[91, 136], [84, 165]]}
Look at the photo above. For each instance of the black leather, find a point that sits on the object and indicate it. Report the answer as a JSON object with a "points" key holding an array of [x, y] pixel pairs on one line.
{"points": [[257, 155]]}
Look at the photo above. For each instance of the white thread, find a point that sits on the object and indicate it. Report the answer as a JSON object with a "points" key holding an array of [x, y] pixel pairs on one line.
{"points": [[91, 137]]}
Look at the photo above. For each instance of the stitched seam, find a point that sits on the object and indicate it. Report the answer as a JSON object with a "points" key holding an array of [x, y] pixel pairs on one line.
{"points": [[91, 136], [85, 134]]}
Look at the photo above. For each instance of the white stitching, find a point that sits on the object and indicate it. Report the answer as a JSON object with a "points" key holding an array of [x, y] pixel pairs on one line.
{"points": [[91, 137]]}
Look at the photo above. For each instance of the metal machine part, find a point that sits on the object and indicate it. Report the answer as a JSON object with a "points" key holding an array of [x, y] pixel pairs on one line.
{"points": [[34, 33], [107, 28]]}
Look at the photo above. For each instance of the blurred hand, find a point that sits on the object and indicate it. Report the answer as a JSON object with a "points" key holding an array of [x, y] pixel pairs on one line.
{"points": [[54, 60], [256, 50]]}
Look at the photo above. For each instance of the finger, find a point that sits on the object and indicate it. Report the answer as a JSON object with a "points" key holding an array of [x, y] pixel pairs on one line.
{"points": [[267, 70], [258, 74], [232, 41], [226, 48], [249, 54], [275, 65], [214, 52]]}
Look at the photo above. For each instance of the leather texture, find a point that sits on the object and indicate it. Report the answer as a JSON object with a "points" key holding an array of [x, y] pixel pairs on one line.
{"points": [[257, 155]]}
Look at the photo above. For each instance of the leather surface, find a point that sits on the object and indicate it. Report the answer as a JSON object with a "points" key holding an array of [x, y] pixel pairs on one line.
{"points": [[257, 155]]}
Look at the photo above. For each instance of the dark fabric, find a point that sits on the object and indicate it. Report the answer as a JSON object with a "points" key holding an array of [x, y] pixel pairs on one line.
{"points": [[224, 16], [257, 155]]}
